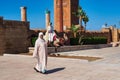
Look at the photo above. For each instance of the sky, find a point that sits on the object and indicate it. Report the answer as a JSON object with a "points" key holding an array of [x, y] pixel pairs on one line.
{"points": [[100, 12]]}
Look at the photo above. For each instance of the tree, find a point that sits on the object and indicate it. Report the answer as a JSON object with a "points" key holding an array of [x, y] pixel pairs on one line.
{"points": [[82, 16], [74, 29], [80, 13], [85, 20]]}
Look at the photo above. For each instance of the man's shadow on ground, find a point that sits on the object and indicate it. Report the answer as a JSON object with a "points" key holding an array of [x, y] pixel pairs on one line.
{"points": [[54, 70]]}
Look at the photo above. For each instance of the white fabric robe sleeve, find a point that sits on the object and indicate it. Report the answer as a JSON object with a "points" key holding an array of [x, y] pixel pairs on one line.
{"points": [[35, 53]]}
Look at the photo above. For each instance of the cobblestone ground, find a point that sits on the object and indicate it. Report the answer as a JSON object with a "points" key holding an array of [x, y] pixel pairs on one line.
{"points": [[20, 67]]}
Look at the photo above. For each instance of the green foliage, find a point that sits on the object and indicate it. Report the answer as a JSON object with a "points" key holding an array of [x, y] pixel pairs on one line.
{"points": [[74, 28], [80, 12], [85, 19], [94, 40], [74, 41], [33, 41], [88, 40]]}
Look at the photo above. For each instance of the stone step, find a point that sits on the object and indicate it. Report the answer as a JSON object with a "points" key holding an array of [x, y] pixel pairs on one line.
{"points": [[73, 48]]}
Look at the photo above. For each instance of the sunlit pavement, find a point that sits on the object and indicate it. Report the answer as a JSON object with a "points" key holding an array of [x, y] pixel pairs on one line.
{"points": [[20, 67]]}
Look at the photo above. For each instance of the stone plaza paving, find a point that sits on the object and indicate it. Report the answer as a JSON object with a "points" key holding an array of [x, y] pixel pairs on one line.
{"points": [[20, 67]]}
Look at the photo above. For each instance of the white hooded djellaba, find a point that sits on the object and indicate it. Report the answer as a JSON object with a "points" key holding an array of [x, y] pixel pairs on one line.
{"points": [[40, 53], [49, 33]]}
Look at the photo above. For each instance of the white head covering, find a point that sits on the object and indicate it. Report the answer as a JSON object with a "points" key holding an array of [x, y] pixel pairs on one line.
{"points": [[39, 38], [40, 34]]}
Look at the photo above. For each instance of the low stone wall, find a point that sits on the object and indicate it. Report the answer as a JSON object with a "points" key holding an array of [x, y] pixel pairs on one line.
{"points": [[73, 48]]}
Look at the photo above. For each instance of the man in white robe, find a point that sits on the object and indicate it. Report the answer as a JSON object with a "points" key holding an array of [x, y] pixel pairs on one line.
{"points": [[40, 53], [49, 33]]}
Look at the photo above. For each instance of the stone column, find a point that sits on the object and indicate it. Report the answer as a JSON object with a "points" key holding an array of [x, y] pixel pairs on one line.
{"points": [[58, 15], [47, 18], [60, 12], [115, 35], [23, 14]]}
